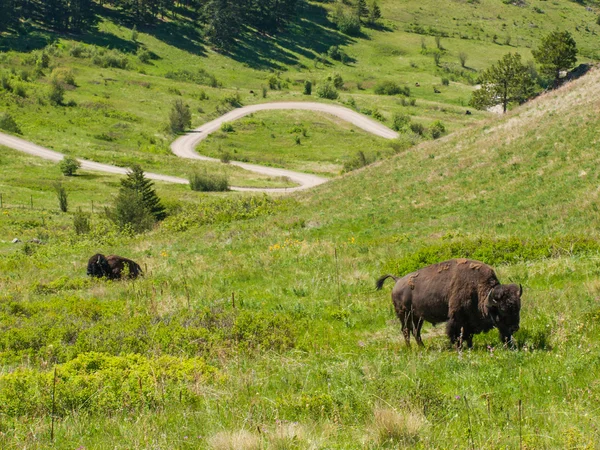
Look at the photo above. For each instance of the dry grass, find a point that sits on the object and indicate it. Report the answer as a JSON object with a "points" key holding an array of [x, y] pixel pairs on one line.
{"points": [[397, 427], [235, 440]]}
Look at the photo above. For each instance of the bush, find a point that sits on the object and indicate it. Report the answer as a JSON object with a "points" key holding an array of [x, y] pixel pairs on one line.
{"points": [[61, 195], [57, 93], [180, 117], [226, 127], [327, 90], [462, 56], [417, 128], [144, 55], [391, 88], [63, 76], [7, 123], [336, 79], [437, 129], [225, 157], [77, 51], [400, 121], [348, 23], [445, 82], [307, 87], [360, 159], [205, 182], [81, 222], [68, 166], [274, 82], [201, 76]]}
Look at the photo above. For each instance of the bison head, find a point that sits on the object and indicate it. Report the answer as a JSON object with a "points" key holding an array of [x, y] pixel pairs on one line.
{"points": [[503, 305], [98, 266]]}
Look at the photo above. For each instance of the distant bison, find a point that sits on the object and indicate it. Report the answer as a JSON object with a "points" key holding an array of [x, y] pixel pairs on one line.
{"points": [[462, 292], [112, 267]]}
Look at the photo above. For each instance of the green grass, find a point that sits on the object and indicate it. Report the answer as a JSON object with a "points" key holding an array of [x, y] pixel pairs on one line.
{"points": [[310, 353]]}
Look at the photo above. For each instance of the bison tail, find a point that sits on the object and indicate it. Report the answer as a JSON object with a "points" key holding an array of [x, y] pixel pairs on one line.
{"points": [[379, 283]]}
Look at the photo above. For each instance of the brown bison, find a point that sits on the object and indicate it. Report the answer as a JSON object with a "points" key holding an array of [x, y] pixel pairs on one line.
{"points": [[112, 267], [462, 292]]}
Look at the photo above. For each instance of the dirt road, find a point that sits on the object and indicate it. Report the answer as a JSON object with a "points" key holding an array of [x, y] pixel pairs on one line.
{"points": [[185, 145]]}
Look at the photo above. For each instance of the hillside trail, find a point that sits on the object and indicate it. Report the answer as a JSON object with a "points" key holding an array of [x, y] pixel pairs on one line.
{"points": [[184, 146]]}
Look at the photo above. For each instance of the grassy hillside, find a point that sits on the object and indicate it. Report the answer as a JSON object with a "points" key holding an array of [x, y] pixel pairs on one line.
{"points": [[116, 108], [266, 332]]}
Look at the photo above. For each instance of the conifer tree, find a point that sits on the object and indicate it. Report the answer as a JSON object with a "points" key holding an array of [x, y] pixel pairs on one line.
{"points": [[361, 8], [137, 182], [557, 52], [374, 13]]}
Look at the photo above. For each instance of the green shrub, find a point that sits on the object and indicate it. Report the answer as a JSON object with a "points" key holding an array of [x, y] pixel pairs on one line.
{"points": [[180, 117], [7, 123], [417, 128], [225, 156], [445, 81], [144, 56], [201, 76], [69, 166], [307, 87], [63, 76], [130, 213], [327, 90], [336, 79], [400, 121], [437, 129], [81, 222], [348, 23], [360, 159], [387, 87], [227, 127], [57, 93], [274, 82], [205, 182], [61, 195]]}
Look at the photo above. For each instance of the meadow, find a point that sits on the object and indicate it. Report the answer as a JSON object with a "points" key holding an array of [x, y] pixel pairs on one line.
{"points": [[263, 329], [257, 324]]}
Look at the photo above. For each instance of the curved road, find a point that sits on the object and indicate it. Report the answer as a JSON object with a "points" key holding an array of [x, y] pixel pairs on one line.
{"points": [[184, 146]]}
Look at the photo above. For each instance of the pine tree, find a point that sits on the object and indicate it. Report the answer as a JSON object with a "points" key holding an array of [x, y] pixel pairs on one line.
{"points": [[557, 52], [223, 22], [361, 8], [374, 13], [137, 182], [505, 82]]}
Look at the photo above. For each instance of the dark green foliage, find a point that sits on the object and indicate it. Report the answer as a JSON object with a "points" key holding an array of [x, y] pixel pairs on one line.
{"points": [[69, 166], [462, 57], [200, 76], [400, 122], [7, 123], [387, 87], [62, 196], [129, 211], [205, 182], [374, 13], [557, 52], [417, 128], [81, 222], [136, 181], [327, 90], [307, 87], [347, 22], [437, 129], [57, 93], [180, 117], [505, 82], [361, 8], [224, 22]]}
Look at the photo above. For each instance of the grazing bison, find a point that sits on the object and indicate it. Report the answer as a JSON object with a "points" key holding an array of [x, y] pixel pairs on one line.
{"points": [[462, 292], [112, 267]]}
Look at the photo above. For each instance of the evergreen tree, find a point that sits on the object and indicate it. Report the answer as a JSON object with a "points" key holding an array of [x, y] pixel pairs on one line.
{"points": [[8, 18], [180, 117], [505, 82], [374, 13], [137, 182], [223, 22], [557, 52], [361, 8]]}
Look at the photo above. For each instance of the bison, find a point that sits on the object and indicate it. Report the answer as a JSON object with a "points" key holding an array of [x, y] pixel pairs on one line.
{"points": [[112, 267], [462, 292]]}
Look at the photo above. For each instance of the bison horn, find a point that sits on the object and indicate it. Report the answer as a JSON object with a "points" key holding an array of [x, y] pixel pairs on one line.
{"points": [[489, 298], [520, 290], [98, 262]]}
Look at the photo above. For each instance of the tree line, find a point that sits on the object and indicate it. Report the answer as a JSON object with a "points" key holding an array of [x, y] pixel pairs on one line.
{"points": [[221, 20]]}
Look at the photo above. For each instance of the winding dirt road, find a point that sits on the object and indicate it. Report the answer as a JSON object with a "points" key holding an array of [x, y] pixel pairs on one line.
{"points": [[184, 146]]}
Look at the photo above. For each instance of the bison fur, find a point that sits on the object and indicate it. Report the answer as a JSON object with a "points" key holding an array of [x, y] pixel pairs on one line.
{"points": [[464, 293], [112, 267]]}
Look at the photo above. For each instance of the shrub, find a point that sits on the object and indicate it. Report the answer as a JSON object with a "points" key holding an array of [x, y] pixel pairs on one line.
{"points": [[226, 127], [417, 128], [63, 76], [205, 182], [274, 82], [77, 51], [144, 55], [57, 93], [462, 57], [225, 157], [5, 83], [180, 117], [377, 115], [68, 166], [81, 222], [360, 159], [437, 129], [391, 88], [334, 52], [43, 60], [62, 196], [400, 121], [348, 23], [201, 76], [327, 90], [445, 81], [7, 123], [307, 87], [437, 56]]}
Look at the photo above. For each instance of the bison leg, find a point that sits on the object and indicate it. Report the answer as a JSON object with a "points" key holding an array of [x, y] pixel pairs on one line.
{"points": [[404, 317], [454, 331], [417, 330]]}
